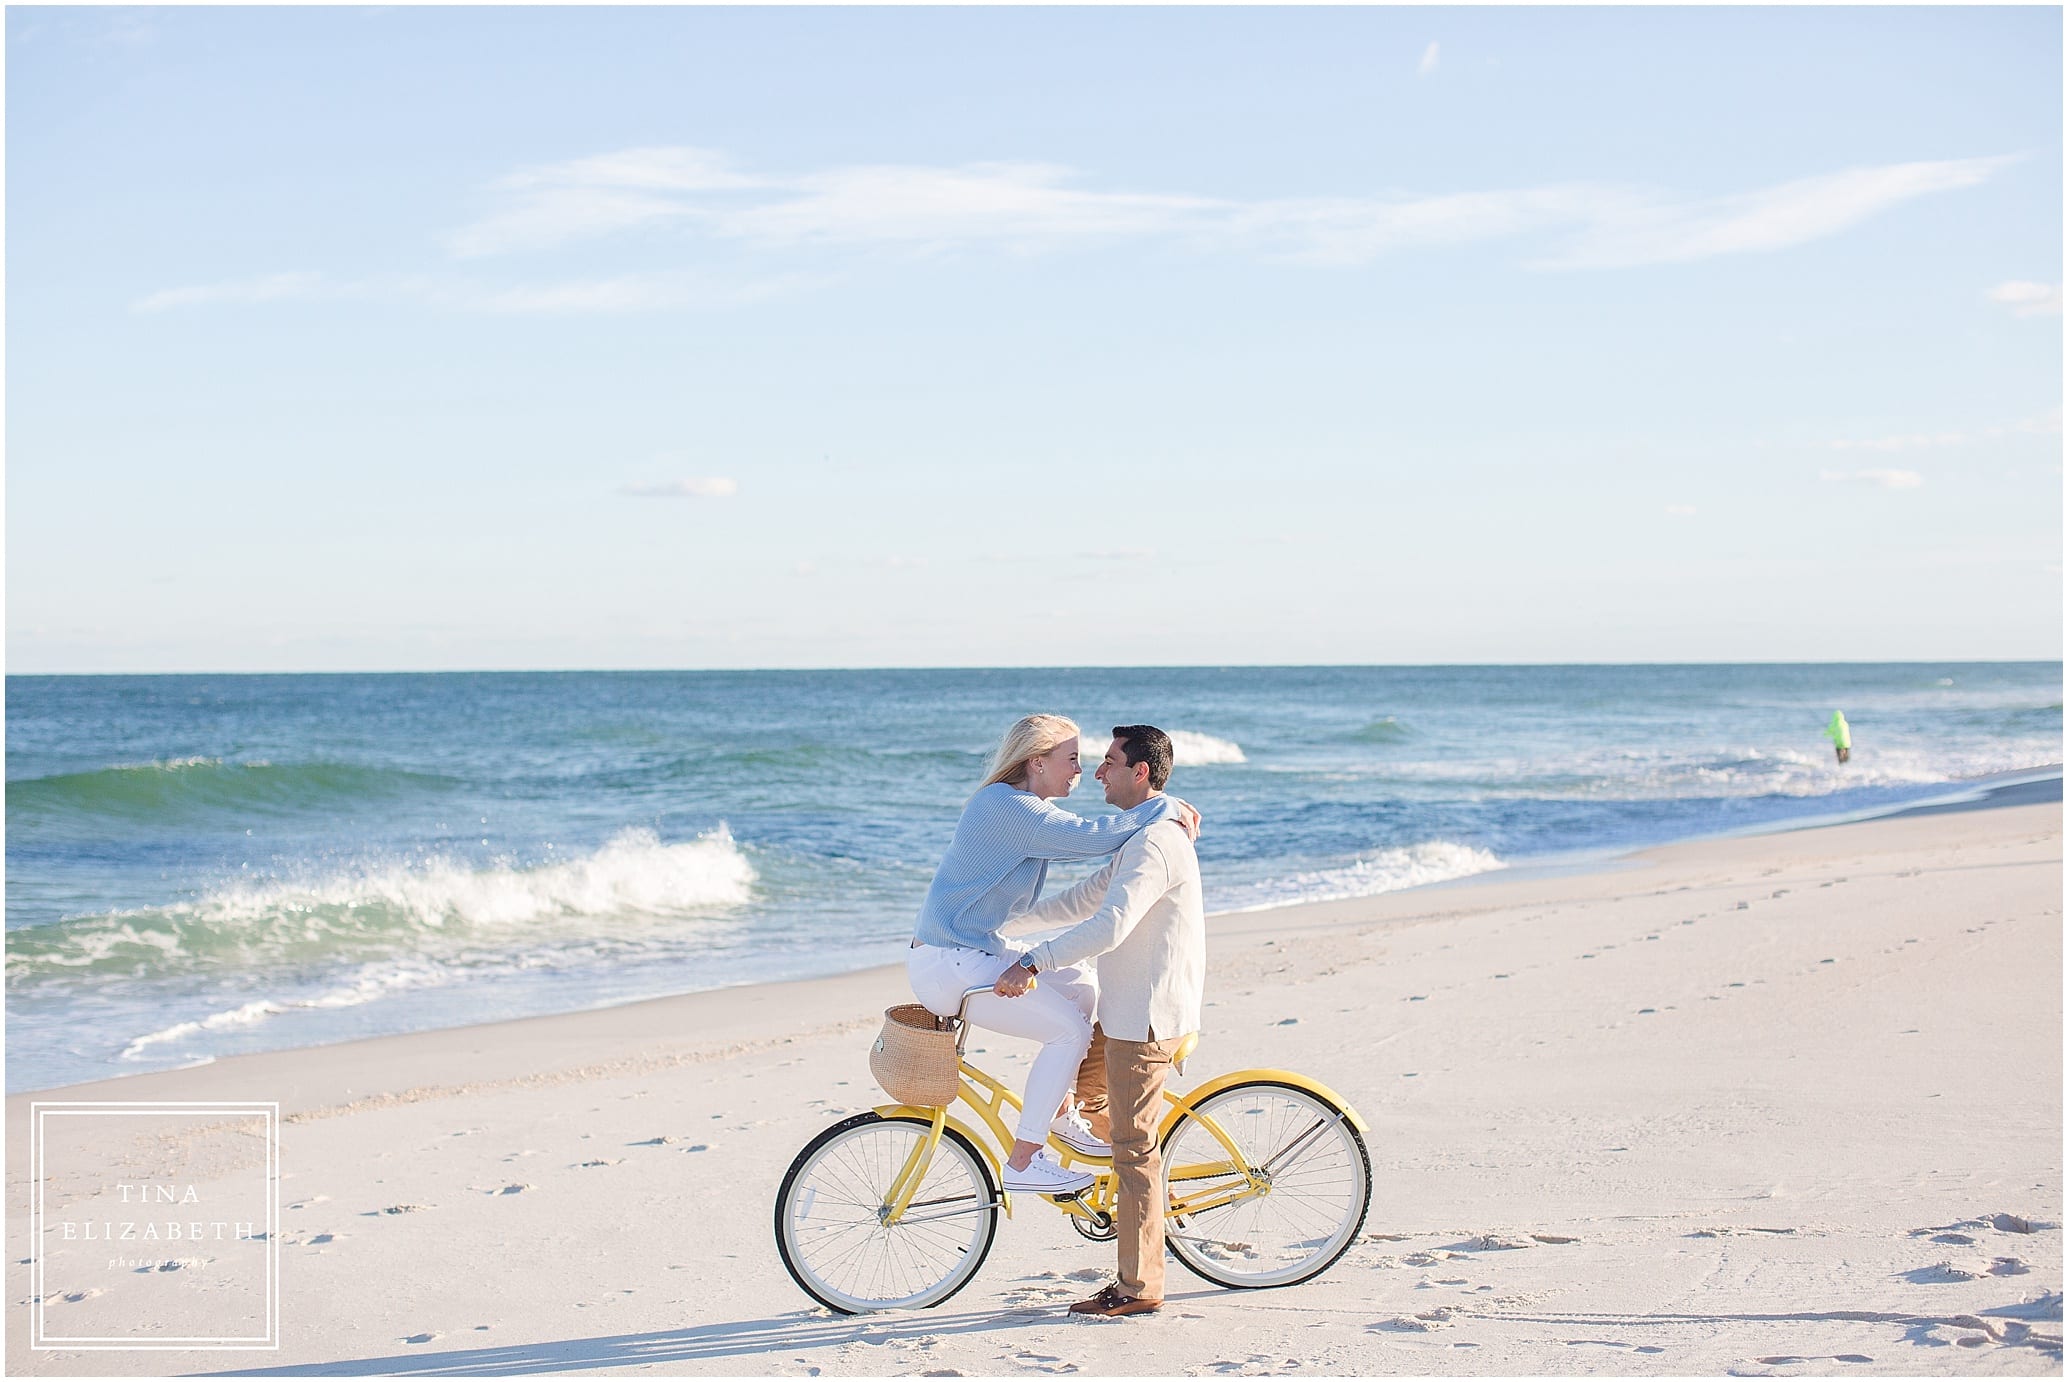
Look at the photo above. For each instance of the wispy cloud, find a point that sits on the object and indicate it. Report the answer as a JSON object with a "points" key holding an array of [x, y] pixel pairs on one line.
{"points": [[690, 200], [1918, 441], [1037, 206], [559, 202], [2026, 299], [1912, 442], [709, 487], [1887, 479], [1118, 554], [632, 293], [1428, 62], [266, 288], [1772, 218], [636, 292]]}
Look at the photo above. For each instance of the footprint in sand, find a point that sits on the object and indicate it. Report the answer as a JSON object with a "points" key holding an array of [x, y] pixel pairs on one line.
{"points": [[1425, 1323], [1553, 1238], [2011, 1223], [1043, 1362], [423, 1338], [396, 1209], [1946, 1272], [2009, 1266], [88, 1294]]}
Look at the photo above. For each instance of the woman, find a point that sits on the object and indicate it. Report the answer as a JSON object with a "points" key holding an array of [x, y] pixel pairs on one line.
{"points": [[1008, 835]]}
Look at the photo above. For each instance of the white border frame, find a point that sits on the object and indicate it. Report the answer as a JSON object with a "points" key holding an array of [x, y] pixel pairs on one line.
{"points": [[40, 1109]]}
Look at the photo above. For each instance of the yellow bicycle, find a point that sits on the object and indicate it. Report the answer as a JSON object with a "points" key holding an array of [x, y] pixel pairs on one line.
{"points": [[1267, 1173]]}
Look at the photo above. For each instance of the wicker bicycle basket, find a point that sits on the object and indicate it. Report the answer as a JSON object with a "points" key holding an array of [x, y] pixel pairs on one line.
{"points": [[913, 1059]]}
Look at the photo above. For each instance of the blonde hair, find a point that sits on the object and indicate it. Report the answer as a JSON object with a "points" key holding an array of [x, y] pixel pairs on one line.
{"points": [[1029, 739]]}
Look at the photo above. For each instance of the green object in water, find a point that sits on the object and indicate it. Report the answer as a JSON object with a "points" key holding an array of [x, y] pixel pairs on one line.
{"points": [[1839, 732]]}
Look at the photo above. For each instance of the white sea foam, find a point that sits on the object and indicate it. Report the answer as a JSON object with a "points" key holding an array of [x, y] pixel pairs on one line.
{"points": [[1189, 748], [243, 1016], [1381, 871], [370, 982], [434, 905], [1655, 774], [632, 873]]}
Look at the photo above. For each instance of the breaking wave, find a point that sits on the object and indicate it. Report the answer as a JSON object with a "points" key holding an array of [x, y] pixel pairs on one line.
{"points": [[1189, 748], [1380, 871], [432, 906]]}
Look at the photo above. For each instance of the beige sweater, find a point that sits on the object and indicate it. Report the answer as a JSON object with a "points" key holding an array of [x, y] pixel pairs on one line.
{"points": [[1144, 916]]}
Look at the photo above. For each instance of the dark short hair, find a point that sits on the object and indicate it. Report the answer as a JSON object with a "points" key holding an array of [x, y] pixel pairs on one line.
{"points": [[1141, 744]]}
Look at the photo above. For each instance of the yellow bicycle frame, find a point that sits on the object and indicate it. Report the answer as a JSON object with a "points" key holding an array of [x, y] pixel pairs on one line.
{"points": [[992, 1100], [1235, 1164]]}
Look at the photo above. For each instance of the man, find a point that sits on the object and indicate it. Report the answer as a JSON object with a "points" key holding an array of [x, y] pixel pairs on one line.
{"points": [[1143, 916]]}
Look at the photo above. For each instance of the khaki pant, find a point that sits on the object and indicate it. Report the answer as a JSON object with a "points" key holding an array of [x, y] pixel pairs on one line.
{"points": [[1090, 1088], [1121, 1096]]}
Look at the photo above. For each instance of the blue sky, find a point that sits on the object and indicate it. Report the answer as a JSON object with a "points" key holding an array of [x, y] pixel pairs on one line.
{"points": [[482, 338]]}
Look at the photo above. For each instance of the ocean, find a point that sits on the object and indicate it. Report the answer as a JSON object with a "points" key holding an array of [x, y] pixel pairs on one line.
{"points": [[204, 865]]}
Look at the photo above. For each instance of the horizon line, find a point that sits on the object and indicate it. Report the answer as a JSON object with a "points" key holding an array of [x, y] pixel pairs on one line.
{"points": [[1058, 667]]}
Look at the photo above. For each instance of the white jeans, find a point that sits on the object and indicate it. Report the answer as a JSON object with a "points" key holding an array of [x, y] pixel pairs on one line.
{"points": [[1057, 1012]]}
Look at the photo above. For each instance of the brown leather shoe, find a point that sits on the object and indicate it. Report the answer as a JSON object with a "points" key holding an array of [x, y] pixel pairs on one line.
{"points": [[1109, 1303]]}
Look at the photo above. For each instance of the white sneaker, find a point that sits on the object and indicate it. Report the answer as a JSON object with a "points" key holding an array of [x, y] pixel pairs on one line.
{"points": [[1044, 1177], [1073, 1132]]}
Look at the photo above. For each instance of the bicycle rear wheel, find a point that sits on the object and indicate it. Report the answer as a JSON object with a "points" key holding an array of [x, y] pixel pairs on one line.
{"points": [[829, 1217], [1300, 1189]]}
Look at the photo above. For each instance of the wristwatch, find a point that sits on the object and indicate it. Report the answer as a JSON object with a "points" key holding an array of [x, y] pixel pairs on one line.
{"points": [[1027, 963]]}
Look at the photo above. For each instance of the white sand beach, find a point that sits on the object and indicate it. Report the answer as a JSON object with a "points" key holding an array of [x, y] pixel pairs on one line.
{"points": [[1775, 1105]]}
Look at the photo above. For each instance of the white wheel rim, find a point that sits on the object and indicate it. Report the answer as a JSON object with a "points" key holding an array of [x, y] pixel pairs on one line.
{"points": [[835, 1237], [1318, 1186]]}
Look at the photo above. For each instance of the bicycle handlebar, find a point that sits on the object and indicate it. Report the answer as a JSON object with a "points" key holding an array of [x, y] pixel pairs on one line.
{"points": [[962, 1008]]}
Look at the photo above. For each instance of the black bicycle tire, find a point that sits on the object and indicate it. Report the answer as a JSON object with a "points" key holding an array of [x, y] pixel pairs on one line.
{"points": [[1363, 1210], [798, 1162]]}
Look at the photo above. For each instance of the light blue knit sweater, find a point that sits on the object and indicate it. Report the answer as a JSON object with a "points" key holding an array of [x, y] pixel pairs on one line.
{"points": [[999, 858]]}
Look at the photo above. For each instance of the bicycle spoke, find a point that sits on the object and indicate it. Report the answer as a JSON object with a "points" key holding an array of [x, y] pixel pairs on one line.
{"points": [[1307, 1185], [834, 1233]]}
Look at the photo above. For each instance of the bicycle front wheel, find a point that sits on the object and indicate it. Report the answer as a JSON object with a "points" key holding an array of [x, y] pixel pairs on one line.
{"points": [[1284, 1204], [830, 1212]]}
